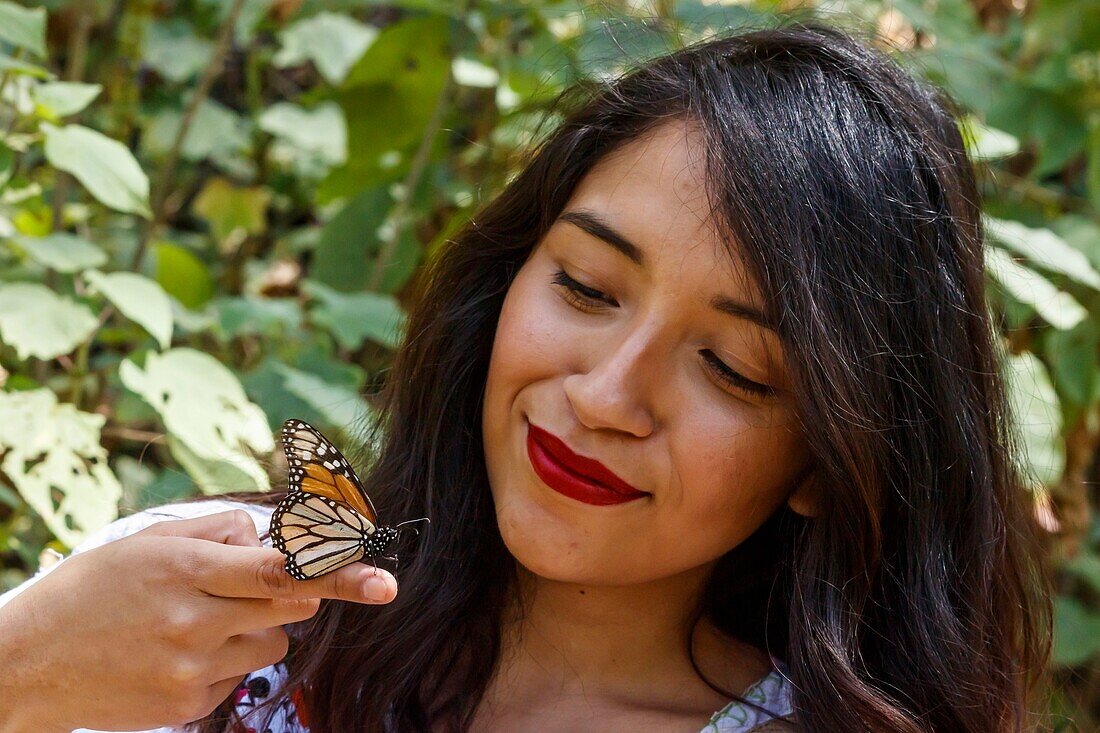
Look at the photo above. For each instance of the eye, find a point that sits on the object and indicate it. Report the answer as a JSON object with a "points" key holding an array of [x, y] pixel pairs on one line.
{"points": [[731, 378], [586, 298], [580, 295]]}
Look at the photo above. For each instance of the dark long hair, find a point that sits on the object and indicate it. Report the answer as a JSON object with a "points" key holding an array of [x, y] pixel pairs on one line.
{"points": [[916, 599]]}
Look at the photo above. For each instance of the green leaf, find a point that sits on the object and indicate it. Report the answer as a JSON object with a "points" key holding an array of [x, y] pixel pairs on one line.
{"points": [[1072, 358], [174, 51], [1076, 633], [183, 275], [57, 99], [388, 99], [473, 73], [1086, 566], [24, 68], [105, 166], [320, 131], [7, 164], [1027, 286], [349, 239], [138, 298], [23, 27], [1037, 415], [1043, 248], [332, 42], [338, 405], [248, 315], [37, 322], [62, 252], [205, 409], [53, 457], [987, 143], [233, 212], [354, 318], [216, 132]]}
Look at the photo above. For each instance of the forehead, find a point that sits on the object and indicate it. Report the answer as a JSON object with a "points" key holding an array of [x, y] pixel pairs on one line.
{"points": [[653, 190]]}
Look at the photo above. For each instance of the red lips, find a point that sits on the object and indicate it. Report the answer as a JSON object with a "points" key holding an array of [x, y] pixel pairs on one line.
{"points": [[576, 476]]}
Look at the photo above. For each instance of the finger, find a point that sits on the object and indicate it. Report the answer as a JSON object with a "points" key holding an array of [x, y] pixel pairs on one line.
{"points": [[242, 615], [218, 692], [249, 652], [260, 573], [233, 527]]}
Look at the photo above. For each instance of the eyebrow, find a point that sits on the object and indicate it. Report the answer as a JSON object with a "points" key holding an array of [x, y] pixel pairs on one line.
{"points": [[598, 227]]}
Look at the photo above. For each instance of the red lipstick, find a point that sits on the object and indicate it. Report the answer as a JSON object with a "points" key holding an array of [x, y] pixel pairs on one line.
{"points": [[578, 477]]}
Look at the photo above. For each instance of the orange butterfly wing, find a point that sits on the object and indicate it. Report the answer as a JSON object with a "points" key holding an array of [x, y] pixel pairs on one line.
{"points": [[317, 467]]}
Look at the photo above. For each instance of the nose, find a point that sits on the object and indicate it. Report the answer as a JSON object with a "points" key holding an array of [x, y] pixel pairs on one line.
{"points": [[615, 392]]}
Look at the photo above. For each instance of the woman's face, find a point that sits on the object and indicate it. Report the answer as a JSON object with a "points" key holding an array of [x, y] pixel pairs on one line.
{"points": [[644, 353]]}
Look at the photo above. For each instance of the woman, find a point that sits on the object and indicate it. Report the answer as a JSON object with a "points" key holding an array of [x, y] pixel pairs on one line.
{"points": [[706, 402]]}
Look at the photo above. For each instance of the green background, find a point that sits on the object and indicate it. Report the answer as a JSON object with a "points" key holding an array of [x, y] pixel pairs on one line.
{"points": [[210, 212]]}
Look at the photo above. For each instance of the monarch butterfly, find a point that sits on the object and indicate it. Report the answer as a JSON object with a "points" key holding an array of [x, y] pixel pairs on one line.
{"points": [[326, 520]]}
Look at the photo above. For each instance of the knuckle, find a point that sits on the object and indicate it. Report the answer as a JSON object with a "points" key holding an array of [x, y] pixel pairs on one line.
{"points": [[186, 675], [180, 622], [270, 575], [242, 523]]}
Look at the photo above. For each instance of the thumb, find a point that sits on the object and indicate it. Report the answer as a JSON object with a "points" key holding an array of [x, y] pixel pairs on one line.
{"points": [[260, 573]]}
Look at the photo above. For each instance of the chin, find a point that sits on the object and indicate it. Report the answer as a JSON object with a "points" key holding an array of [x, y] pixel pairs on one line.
{"points": [[550, 547]]}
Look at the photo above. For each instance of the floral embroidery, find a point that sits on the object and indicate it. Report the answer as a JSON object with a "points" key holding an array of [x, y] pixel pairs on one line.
{"points": [[771, 692]]}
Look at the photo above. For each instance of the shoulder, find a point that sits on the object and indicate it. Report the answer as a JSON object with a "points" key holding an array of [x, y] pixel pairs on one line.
{"points": [[138, 521], [771, 709]]}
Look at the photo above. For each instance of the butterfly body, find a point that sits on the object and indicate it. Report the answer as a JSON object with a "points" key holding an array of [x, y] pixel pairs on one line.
{"points": [[327, 519]]}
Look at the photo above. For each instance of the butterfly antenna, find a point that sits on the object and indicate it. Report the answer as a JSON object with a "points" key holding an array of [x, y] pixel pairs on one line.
{"points": [[422, 519], [414, 529]]}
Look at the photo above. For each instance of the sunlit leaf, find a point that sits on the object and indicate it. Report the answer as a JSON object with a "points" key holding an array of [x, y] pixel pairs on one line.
{"points": [[320, 131], [1037, 415], [215, 132], [24, 27], [62, 251], [1056, 306], [174, 51], [105, 166], [35, 321], [987, 143], [332, 42], [59, 99], [53, 456], [138, 298], [1043, 248], [204, 407]]}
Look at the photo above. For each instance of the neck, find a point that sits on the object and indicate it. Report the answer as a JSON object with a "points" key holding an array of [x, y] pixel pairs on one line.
{"points": [[620, 642]]}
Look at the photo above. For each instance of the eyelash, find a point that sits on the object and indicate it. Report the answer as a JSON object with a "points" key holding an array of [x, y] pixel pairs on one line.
{"points": [[589, 299]]}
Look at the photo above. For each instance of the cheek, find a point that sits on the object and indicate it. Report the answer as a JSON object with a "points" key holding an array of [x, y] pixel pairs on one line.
{"points": [[731, 475]]}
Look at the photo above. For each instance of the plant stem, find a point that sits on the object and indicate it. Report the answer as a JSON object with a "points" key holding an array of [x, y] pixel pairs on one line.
{"points": [[412, 180], [202, 91]]}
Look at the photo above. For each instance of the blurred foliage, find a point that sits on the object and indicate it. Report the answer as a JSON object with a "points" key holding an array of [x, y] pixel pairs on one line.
{"points": [[210, 212]]}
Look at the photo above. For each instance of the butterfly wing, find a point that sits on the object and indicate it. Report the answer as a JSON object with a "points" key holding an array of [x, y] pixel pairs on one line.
{"points": [[317, 467], [318, 535]]}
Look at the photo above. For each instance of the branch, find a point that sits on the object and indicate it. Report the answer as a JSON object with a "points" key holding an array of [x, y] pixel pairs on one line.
{"points": [[168, 170], [412, 180]]}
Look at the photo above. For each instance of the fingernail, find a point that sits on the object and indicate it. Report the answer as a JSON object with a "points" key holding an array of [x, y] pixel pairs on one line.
{"points": [[376, 589]]}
